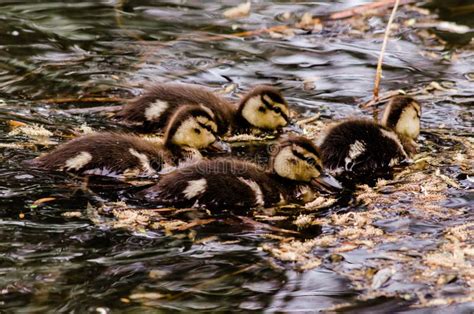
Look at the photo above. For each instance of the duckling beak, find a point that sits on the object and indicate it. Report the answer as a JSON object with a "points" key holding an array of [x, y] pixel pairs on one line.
{"points": [[220, 146], [293, 127], [327, 183]]}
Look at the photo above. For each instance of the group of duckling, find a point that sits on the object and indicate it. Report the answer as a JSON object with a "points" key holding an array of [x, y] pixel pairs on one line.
{"points": [[192, 118]]}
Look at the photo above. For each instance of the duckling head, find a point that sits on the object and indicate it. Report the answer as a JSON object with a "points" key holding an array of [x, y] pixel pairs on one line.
{"points": [[402, 114], [297, 158], [192, 126], [264, 107]]}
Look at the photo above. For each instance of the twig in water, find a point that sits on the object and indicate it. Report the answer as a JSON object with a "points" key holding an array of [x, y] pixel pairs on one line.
{"points": [[381, 99], [378, 73], [308, 120]]}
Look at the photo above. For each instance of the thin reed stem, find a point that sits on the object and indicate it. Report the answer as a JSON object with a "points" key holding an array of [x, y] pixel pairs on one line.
{"points": [[378, 73]]}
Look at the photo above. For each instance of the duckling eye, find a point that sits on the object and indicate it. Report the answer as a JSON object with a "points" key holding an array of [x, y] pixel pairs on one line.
{"points": [[197, 131], [261, 109], [312, 162], [277, 110]]}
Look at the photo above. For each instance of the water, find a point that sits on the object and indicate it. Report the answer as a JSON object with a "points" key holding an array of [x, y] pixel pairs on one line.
{"points": [[55, 55]]}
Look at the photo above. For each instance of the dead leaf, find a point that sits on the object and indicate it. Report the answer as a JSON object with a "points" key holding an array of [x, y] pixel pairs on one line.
{"points": [[15, 124], [42, 200]]}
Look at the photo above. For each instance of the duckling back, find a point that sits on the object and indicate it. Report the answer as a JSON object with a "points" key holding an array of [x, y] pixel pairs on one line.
{"points": [[217, 184], [190, 129], [228, 183], [151, 111], [360, 151], [105, 154]]}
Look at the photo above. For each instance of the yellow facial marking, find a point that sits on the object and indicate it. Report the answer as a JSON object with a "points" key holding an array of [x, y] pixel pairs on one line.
{"points": [[409, 123], [268, 99], [306, 154], [191, 134], [209, 111], [202, 119], [282, 107], [212, 125], [256, 113], [290, 166], [207, 122]]}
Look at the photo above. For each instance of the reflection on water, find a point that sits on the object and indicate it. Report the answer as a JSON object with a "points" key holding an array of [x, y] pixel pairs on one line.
{"points": [[68, 49]]}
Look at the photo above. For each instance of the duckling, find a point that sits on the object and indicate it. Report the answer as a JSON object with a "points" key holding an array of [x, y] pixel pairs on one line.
{"points": [[228, 183], [262, 108], [112, 154], [402, 114], [151, 111], [362, 150]]}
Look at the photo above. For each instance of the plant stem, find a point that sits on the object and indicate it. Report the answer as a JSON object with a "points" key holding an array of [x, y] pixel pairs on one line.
{"points": [[378, 73]]}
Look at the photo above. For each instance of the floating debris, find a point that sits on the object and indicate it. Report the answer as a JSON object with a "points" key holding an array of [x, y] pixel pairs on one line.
{"points": [[453, 28], [72, 214], [381, 277], [308, 22], [146, 295], [85, 129], [248, 138], [242, 10], [34, 131]]}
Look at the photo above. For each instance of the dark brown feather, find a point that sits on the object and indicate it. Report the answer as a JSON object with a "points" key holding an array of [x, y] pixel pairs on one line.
{"points": [[223, 190], [226, 184], [373, 162], [300, 141], [109, 151], [176, 95]]}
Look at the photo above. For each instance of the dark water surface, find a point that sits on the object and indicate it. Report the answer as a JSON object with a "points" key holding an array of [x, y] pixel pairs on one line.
{"points": [[52, 51]]}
